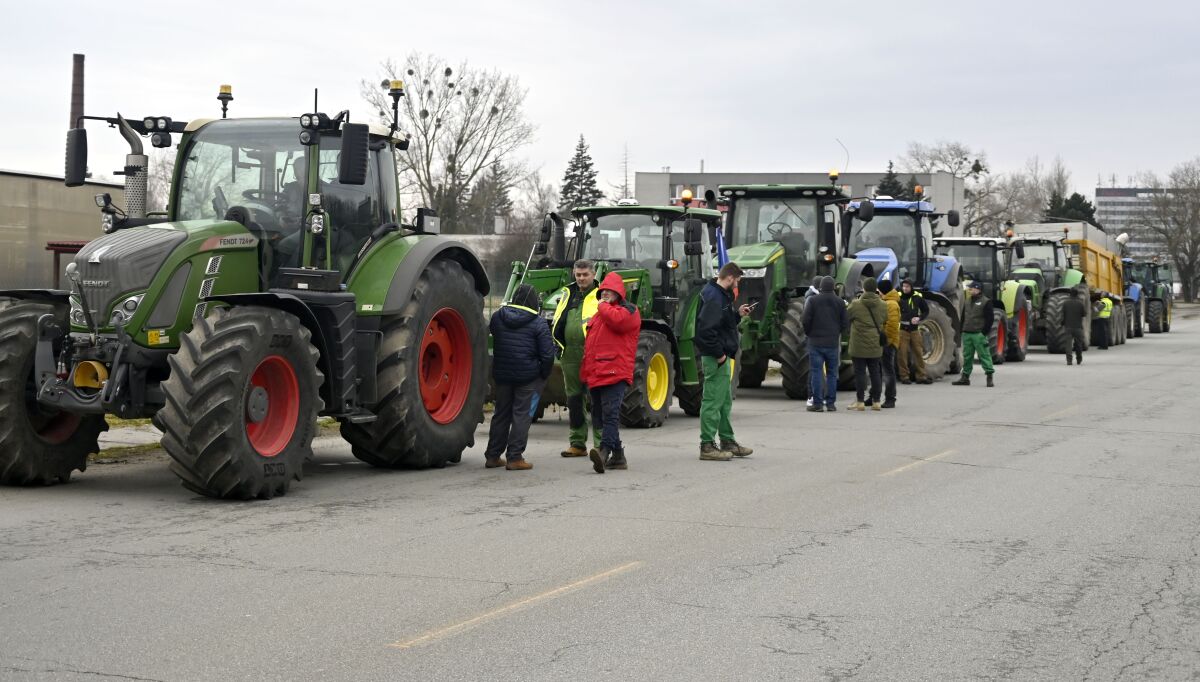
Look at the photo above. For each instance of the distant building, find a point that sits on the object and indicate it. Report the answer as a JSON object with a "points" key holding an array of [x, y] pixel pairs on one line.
{"points": [[943, 189], [37, 209], [1118, 209]]}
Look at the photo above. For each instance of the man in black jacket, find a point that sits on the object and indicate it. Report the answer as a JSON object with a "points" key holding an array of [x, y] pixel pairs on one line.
{"points": [[1074, 315], [913, 309], [522, 358], [717, 341], [977, 318], [825, 322]]}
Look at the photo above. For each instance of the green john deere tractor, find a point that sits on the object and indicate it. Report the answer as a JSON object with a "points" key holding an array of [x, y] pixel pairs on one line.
{"points": [[988, 260], [663, 254], [1046, 272], [1149, 295], [782, 236], [278, 286]]}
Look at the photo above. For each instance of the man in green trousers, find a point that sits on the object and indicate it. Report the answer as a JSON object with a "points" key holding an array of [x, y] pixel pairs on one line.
{"points": [[576, 305], [717, 342], [977, 319]]}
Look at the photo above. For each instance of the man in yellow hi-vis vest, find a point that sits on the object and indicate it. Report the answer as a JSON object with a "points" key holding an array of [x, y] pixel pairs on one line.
{"points": [[1104, 309], [577, 304]]}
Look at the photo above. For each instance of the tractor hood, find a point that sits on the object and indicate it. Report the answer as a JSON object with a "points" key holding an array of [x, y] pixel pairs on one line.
{"points": [[124, 263], [883, 261], [755, 255]]}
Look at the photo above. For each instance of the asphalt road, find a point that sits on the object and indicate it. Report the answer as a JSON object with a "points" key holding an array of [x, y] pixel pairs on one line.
{"points": [[1043, 529]]}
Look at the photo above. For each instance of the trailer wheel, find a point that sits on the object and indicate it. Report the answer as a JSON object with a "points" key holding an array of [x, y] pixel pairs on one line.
{"points": [[38, 446], [793, 353], [432, 376], [241, 403]]}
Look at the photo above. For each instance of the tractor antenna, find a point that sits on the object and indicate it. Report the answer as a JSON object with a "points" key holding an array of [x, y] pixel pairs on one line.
{"points": [[315, 109], [845, 168]]}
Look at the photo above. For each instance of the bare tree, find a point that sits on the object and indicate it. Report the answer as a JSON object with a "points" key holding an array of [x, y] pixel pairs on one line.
{"points": [[954, 158], [622, 190], [460, 120], [158, 179], [1173, 214]]}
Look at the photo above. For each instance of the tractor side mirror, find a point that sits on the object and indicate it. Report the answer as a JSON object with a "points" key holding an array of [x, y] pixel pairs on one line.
{"points": [[693, 231], [1020, 252], [547, 226], [866, 210], [693, 249], [76, 169], [710, 199], [539, 249], [352, 164], [427, 221], [953, 218]]}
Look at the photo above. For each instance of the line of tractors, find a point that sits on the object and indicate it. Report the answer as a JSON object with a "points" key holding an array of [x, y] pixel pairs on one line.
{"points": [[279, 286]]}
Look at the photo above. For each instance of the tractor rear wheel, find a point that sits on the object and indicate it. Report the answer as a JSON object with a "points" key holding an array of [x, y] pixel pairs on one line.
{"points": [[38, 446], [998, 337], [1156, 315], [793, 352], [752, 374], [432, 376], [937, 332], [241, 403], [648, 401]]}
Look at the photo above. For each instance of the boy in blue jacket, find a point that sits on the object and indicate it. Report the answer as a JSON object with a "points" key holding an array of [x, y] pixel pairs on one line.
{"points": [[522, 358]]}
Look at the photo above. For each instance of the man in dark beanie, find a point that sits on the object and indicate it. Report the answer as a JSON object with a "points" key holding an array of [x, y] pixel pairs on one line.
{"points": [[867, 316], [522, 358], [824, 322], [913, 309], [977, 319]]}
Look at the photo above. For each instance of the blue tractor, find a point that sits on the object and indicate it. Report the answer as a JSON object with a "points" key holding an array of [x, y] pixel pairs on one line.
{"points": [[893, 240]]}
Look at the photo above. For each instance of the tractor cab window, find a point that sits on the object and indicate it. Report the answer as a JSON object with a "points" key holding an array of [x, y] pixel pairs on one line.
{"points": [[353, 211], [626, 240], [982, 263], [1040, 256], [795, 223], [1164, 274], [899, 232], [243, 163]]}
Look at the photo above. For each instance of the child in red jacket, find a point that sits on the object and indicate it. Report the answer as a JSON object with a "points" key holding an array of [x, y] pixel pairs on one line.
{"points": [[609, 355]]}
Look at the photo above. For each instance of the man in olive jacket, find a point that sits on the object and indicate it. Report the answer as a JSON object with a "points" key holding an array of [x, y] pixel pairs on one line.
{"points": [[867, 314], [891, 298], [977, 319]]}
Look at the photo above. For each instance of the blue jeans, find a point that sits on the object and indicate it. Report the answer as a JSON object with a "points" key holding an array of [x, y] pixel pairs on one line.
{"points": [[823, 373], [606, 411]]}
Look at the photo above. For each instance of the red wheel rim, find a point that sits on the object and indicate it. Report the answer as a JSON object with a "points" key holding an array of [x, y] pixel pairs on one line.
{"points": [[270, 435], [1000, 334], [1022, 335], [57, 428], [445, 365]]}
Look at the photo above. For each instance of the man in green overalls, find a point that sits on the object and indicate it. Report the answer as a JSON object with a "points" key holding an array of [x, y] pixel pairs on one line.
{"points": [[576, 305]]}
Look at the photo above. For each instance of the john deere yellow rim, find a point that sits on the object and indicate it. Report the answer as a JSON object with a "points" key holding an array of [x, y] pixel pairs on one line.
{"points": [[657, 378]]}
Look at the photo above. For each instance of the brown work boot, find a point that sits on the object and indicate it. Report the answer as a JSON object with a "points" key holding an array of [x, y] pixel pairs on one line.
{"points": [[616, 460], [860, 407], [574, 451], [736, 450], [519, 465], [709, 452], [598, 457], [493, 463]]}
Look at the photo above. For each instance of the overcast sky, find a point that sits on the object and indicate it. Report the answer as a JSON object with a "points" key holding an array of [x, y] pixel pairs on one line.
{"points": [[746, 86]]}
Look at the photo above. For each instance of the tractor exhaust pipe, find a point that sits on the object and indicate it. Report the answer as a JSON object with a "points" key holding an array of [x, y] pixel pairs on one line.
{"points": [[136, 163]]}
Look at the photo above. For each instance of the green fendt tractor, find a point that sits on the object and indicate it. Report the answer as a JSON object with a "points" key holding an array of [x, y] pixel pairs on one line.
{"points": [[1149, 295], [1045, 269], [278, 286], [782, 236], [988, 260], [663, 254]]}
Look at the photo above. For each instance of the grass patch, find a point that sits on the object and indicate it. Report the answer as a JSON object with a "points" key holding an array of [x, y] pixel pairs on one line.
{"points": [[118, 423], [124, 453]]}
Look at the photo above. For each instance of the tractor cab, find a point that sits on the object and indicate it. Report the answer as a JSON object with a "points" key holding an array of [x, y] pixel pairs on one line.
{"points": [[1044, 260], [984, 259], [897, 239]]}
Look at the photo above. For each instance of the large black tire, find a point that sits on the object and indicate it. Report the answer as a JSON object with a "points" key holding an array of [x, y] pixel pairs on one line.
{"points": [[691, 397], [1139, 319], [1128, 309], [998, 337], [655, 362], [793, 352], [223, 439], [1166, 325], [1057, 337], [1018, 341], [1156, 313], [37, 446], [940, 350], [405, 434], [752, 375]]}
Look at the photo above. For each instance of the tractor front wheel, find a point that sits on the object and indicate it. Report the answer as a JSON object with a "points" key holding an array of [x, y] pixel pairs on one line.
{"points": [[752, 374], [241, 403], [793, 353], [648, 401], [432, 376], [937, 332], [999, 336], [38, 446], [1018, 337], [1156, 314]]}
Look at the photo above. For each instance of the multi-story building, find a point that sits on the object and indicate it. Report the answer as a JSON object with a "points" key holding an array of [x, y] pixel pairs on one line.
{"points": [[1119, 209]]}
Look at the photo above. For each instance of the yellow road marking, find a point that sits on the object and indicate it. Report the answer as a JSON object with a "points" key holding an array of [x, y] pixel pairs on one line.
{"points": [[549, 594], [1060, 413], [917, 463]]}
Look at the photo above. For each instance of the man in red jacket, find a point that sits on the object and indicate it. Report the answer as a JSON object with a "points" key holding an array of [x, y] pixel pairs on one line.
{"points": [[609, 355]]}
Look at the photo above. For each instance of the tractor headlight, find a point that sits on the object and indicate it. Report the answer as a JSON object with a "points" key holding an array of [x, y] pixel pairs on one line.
{"points": [[163, 123], [317, 223], [106, 222], [125, 310], [754, 272], [305, 121]]}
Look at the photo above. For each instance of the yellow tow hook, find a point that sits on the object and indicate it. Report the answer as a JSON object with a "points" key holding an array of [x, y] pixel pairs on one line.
{"points": [[89, 374]]}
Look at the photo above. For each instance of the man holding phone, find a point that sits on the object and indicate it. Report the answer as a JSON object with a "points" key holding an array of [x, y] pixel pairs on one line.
{"points": [[717, 341]]}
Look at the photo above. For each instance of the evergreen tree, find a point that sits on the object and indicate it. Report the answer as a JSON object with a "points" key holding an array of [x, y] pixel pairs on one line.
{"points": [[489, 199], [1074, 207], [889, 185], [579, 182]]}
